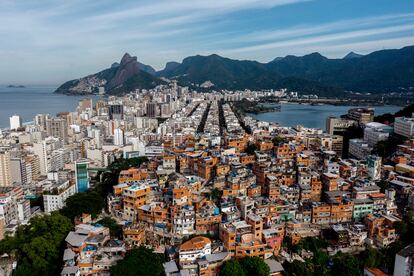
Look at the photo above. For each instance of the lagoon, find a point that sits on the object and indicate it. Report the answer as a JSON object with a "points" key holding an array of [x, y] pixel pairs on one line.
{"points": [[312, 116]]}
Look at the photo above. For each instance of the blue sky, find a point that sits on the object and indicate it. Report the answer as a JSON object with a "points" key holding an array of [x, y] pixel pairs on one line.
{"points": [[51, 41]]}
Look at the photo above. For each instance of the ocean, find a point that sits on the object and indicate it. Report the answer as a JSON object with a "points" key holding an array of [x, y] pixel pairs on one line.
{"points": [[313, 116], [32, 100]]}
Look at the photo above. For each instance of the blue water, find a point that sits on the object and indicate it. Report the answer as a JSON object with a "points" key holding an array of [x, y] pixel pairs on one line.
{"points": [[32, 100], [313, 116]]}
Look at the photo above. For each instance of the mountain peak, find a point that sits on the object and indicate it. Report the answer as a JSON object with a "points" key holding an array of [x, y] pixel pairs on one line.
{"points": [[171, 65], [315, 55], [127, 58], [276, 59], [352, 55]]}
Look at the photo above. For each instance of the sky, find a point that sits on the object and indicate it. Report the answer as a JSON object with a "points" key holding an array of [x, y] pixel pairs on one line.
{"points": [[52, 41]]}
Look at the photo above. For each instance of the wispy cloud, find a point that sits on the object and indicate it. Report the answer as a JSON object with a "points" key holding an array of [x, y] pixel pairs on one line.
{"points": [[66, 39], [325, 38], [336, 26]]}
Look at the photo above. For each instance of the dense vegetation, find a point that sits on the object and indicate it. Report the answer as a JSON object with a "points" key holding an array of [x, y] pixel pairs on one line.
{"points": [[381, 71], [139, 261], [114, 228], [248, 266], [142, 80], [387, 148], [38, 246], [89, 202], [109, 178], [389, 118]]}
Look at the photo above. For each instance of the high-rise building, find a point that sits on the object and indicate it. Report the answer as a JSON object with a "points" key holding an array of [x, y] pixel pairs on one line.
{"points": [[18, 170], [374, 167], [152, 109], [15, 122], [404, 261], [361, 115], [40, 120], [5, 177], [338, 125], [338, 144], [116, 111], [85, 104], [118, 137], [57, 128], [82, 176], [376, 132], [40, 150], [404, 126]]}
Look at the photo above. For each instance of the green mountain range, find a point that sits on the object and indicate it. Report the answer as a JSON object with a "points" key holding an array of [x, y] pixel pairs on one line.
{"points": [[379, 72]]}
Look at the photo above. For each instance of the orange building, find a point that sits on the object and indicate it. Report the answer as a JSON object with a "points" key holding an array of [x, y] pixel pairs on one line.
{"points": [[381, 229], [134, 197], [341, 212], [264, 146], [153, 213], [238, 142], [241, 240], [205, 167], [134, 236], [247, 159], [222, 169], [132, 174], [335, 213], [330, 182]]}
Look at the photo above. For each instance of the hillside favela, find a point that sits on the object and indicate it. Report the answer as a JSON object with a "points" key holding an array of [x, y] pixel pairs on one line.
{"points": [[279, 142]]}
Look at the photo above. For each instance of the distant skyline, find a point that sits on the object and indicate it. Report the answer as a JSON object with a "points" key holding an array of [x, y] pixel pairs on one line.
{"points": [[52, 41]]}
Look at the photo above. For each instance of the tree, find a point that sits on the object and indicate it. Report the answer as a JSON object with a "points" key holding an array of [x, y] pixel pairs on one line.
{"points": [[387, 148], [297, 268], [390, 118], [216, 195], [232, 268], [114, 228], [251, 148], [110, 177], [277, 140], [346, 265], [37, 245], [88, 202], [371, 257], [254, 266], [139, 261], [383, 184], [312, 244], [320, 262]]}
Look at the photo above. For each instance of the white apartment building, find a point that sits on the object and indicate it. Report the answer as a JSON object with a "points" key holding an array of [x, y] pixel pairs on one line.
{"points": [[194, 249], [359, 149], [375, 132], [118, 137], [404, 262], [8, 209], [404, 126], [15, 122], [57, 193], [5, 176]]}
